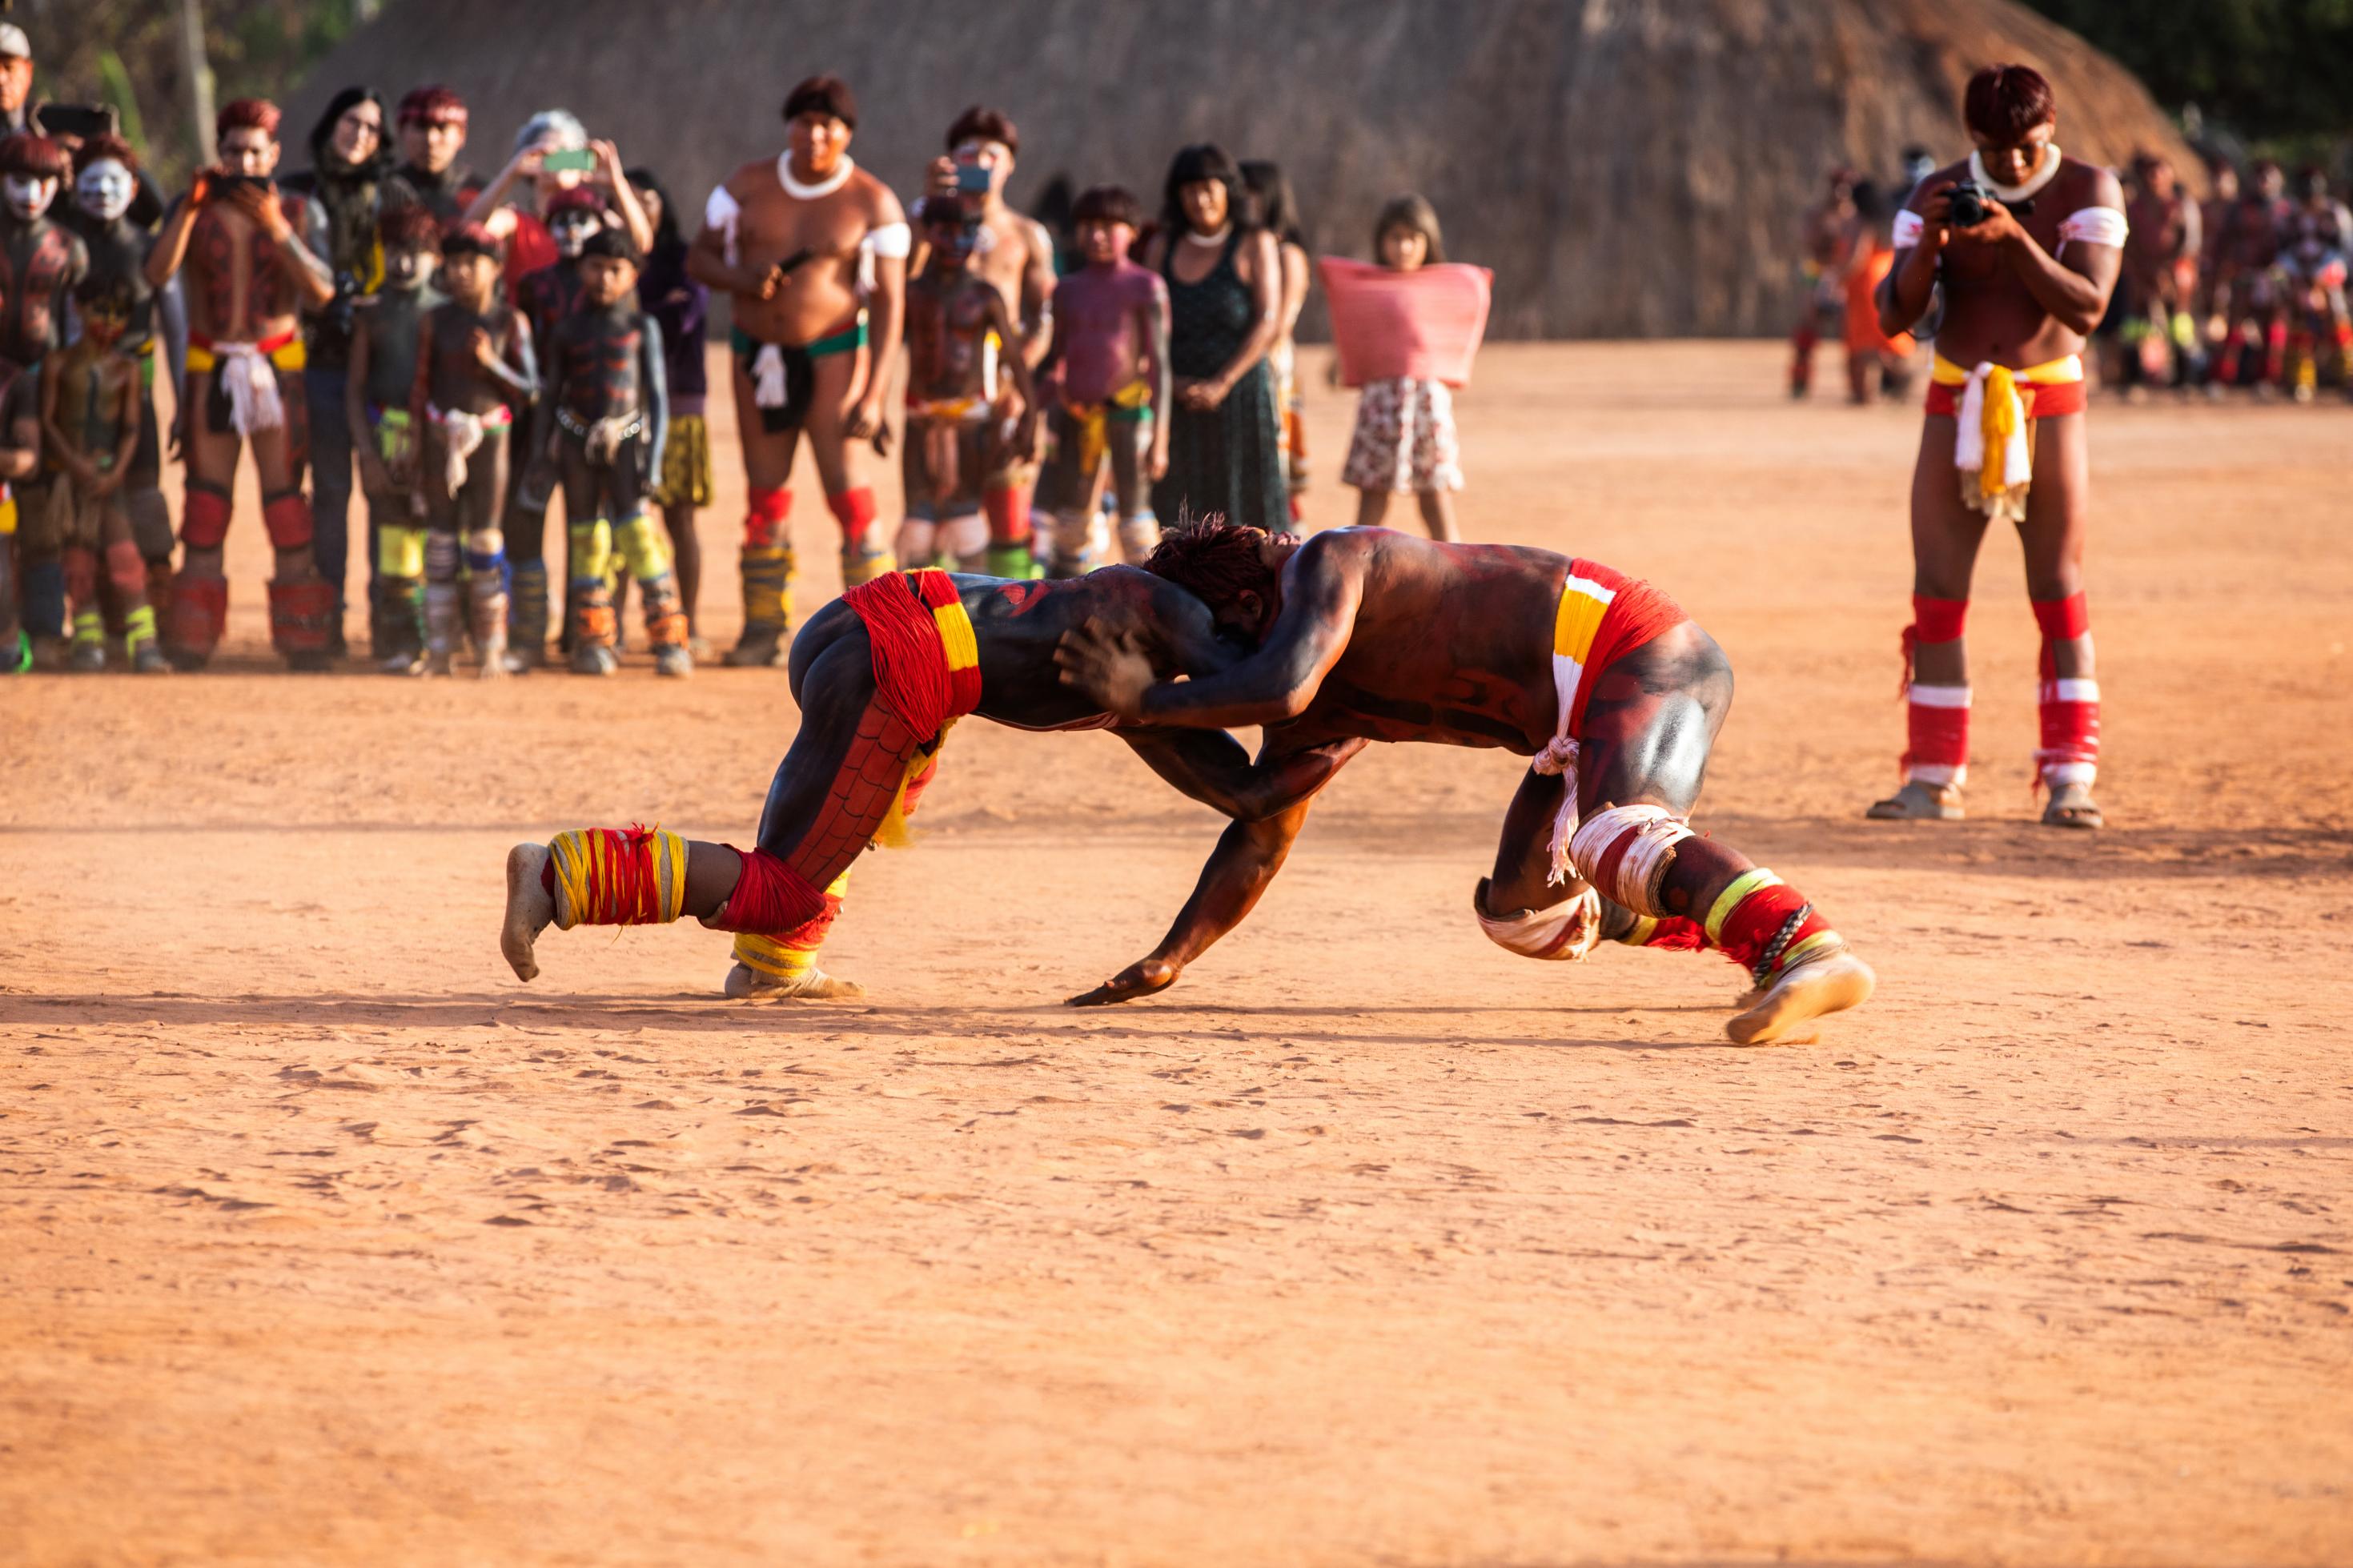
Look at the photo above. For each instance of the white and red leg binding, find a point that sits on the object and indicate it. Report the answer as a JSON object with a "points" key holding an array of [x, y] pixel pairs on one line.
{"points": [[2069, 706]]}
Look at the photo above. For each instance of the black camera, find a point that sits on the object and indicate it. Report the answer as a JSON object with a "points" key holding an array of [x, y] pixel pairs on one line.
{"points": [[1972, 204]]}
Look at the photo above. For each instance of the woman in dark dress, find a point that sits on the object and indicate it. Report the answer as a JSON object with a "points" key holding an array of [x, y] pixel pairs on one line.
{"points": [[1225, 282], [682, 306]]}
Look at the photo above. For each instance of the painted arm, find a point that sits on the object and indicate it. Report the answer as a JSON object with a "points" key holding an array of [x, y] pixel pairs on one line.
{"points": [[1240, 868], [126, 416], [171, 246], [711, 260], [631, 211], [487, 205], [653, 374], [1210, 766], [1273, 685], [519, 369], [307, 272], [1025, 381]]}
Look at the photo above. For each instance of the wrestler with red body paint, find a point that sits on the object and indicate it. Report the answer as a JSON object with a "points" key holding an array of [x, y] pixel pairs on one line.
{"points": [[1613, 692]]}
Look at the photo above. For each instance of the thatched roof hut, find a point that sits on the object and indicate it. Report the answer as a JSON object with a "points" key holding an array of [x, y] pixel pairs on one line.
{"points": [[1629, 168]]}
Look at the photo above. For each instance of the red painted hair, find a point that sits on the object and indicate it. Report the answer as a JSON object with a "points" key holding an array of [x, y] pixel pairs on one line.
{"points": [[2004, 102], [35, 156], [248, 114], [434, 105]]}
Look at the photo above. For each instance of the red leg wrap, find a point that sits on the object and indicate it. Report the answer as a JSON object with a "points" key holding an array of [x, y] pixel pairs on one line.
{"points": [[204, 517], [199, 613], [2274, 351], [2062, 620], [764, 519], [854, 510], [1753, 927], [1009, 514], [1937, 717], [127, 570], [301, 614], [770, 897], [82, 576], [1672, 934], [860, 796], [288, 518]]}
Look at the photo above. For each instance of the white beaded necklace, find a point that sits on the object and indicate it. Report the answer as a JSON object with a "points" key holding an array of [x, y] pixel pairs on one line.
{"points": [[801, 192]]}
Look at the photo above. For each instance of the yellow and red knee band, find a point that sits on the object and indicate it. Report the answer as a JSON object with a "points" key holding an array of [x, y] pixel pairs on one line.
{"points": [[617, 877], [764, 516], [204, 516], [1764, 925], [791, 955]]}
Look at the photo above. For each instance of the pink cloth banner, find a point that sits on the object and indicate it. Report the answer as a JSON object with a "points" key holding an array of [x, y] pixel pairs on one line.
{"points": [[1425, 325]]}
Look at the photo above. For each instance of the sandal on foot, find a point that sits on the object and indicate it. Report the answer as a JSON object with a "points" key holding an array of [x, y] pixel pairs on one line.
{"points": [[1918, 802]]}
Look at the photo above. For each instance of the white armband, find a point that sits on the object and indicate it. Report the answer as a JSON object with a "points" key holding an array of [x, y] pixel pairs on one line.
{"points": [[895, 239], [1908, 228], [2094, 225], [720, 213]]}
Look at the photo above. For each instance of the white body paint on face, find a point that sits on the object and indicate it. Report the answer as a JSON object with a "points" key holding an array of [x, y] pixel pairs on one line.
{"points": [[105, 189], [27, 196]]}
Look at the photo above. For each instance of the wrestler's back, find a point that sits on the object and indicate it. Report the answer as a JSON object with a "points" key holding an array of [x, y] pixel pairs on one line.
{"points": [[820, 295], [1452, 643], [1989, 314]]}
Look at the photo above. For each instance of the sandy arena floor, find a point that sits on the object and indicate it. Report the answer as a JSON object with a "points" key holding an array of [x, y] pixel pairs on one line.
{"points": [[322, 1239]]}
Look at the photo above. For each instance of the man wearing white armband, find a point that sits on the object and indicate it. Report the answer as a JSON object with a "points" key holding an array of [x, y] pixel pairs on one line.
{"points": [[814, 250], [2026, 243]]}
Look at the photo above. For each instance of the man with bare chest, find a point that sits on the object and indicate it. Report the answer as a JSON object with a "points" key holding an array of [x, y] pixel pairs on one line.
{"points": [[789, 238], [956, 319], [2027, 243], [249, 275], [1362, 634], [1016, 255]]}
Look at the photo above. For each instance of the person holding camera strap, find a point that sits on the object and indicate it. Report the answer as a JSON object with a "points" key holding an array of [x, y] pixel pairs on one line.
{"points": [[2025, 244]]}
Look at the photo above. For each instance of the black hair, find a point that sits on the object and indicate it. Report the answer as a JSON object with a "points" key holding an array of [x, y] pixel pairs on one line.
{"points": [[1202, 160], [1273, 206], [380, 162], [670, 241], [109, 290], [614, 243]]}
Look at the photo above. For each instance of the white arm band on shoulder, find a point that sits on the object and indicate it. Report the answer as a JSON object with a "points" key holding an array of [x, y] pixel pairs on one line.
{"points": [[1908, 229], [720, 213], [2094, 225], [891, 239]]}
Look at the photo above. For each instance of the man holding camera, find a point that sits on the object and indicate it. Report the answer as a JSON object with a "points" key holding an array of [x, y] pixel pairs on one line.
{"points": [[2025, 244], [815, 338], [250, 276]]}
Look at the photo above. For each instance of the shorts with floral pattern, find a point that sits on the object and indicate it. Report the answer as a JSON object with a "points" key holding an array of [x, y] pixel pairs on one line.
{"points": [[1405, 438]]}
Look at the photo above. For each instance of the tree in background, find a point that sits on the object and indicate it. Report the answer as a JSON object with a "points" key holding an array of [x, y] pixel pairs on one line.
{"points": [[2277, 71], [131, 54]]}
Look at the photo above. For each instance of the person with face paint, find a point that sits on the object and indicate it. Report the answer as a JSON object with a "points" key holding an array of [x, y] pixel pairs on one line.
{"points": [[343, 189], [546, 297], [250, 275], [41, 262], [431, 133], [517, 217], [474, 368], [1014, 252], [956, 319], [600, 429], [791, 238], [376, 402], [2025, 244], [89, 428], [105, 184]]}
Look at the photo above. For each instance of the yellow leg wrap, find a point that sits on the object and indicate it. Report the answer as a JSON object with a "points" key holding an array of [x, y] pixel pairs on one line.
{"points": [[399, 551], [638, 540], [608, 877], [791, 956], [1742, 885]]}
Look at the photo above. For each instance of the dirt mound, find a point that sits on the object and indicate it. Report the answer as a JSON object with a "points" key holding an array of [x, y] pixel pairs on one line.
{"points": [[1631, 168]]}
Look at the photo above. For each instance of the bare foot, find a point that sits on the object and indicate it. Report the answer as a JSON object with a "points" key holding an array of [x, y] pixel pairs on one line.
{"points": [[1141, 978], [1827, 982], [529, 909], [746, 983], [494, 664], [1918, 802], [2071, 806]]}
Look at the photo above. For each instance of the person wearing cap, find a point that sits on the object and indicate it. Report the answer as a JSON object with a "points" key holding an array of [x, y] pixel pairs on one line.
{"points": [[16, 104], [813, 340]]}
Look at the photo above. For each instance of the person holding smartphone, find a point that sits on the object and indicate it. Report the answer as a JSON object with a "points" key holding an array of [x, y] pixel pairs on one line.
{"points": [[790, 238], [250, 275], [552, 152]]}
